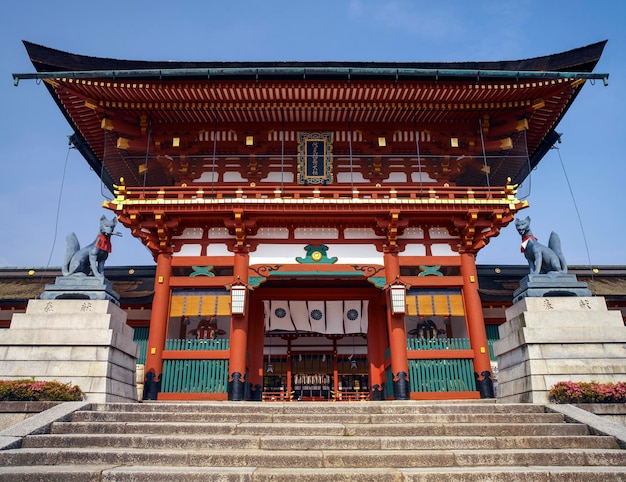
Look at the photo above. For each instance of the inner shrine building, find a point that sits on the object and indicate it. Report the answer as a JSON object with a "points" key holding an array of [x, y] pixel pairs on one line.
{"points": [[315, 224]]}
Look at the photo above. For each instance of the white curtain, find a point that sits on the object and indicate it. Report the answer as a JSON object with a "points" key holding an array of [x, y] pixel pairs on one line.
{"points": [[334, 317], [300, 315], [355, 316], [317, 316], [279, 316]]}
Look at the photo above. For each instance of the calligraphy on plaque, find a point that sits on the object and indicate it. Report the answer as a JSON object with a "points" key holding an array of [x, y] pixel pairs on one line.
{"points": [[315, 160]]}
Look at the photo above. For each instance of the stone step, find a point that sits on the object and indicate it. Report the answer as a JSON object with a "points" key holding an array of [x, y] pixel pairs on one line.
{"points": [[396, 407], [263, 442], [99, 473], [329, 429], [345, 418], [314, 458], [282, 442]]}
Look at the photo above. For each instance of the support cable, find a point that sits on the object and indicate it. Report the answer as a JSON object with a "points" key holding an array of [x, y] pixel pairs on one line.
{"points": [[104, 156], [56, 221], [350, 145], [482, 141], [282, 150], [214, 153], [145, 172], [580, 222], [529, 168], [417, 146]]}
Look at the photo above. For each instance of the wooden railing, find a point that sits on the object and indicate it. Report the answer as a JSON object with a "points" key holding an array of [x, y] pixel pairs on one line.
{"points": [[195, 376], [140, 337], [197, 345], [438, 344], [447, 367], [225, 193], [436, 375]]}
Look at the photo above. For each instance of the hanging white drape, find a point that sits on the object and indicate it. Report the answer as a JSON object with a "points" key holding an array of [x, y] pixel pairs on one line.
{"points": [[334, 317]]}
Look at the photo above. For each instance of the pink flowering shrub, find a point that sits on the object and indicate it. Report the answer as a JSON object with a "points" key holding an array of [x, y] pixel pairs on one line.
{"points": [[588, 392], [38, 391]]}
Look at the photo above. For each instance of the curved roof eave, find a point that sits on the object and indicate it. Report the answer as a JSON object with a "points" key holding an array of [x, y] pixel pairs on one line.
{"points": [[582, 59]]}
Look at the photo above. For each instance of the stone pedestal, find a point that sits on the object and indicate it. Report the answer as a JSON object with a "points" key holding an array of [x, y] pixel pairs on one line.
{"points": [[550, 285], [82, 342], [80, 287], [550, 340]]}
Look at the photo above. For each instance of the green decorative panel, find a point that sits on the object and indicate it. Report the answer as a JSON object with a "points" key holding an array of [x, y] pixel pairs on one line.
{"points": [[202, 271], [316, 255], [438, 344], [432, 375], [430, 270], [194, 345], [140, 336], [195, 376]]}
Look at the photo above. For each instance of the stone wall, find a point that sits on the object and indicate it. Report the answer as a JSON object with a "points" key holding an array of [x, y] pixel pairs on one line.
{"points": [[81, 342], [549, 340]]}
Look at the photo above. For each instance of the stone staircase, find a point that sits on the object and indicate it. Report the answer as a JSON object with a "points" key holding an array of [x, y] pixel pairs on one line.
{"points": [[359, 441]]}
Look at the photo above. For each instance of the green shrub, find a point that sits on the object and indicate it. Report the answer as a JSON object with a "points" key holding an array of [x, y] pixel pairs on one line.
{"points": [[30, 390], [588, 392]]}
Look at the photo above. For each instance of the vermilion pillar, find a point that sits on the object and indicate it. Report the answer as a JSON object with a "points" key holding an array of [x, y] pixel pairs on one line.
{"points": [[158, 326], [255, 348], [476, 326], [238, 335], [376, 345], [397, 335]]}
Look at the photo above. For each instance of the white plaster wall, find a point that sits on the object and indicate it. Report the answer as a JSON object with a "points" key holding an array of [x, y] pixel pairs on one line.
{"points": [[316, 233], [286, 177], [442, 250], [412, 233], [272, 233], [207, 176], [395, 177], [355, 253], [439, 233], [234, 176], [189, 250], [217, 249], [287, 253], [268, 253], [414, 250], [345, 177], [190, 233], [359, 233], [423, 177], [219, 233]]}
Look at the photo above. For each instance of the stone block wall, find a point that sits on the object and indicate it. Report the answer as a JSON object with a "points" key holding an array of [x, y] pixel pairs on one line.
{"points": [[82, 342], [548, 340]]}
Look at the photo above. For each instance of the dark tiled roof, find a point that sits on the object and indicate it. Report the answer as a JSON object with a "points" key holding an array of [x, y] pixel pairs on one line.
{"points": [[17, 285], [582, 59]]}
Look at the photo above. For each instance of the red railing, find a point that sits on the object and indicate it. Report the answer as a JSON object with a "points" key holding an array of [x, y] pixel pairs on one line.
{"points": [[315, 192]]}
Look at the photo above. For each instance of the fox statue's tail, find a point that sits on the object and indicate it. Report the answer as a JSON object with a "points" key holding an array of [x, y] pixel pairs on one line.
{"points": [[71, 246], [554, 243]]}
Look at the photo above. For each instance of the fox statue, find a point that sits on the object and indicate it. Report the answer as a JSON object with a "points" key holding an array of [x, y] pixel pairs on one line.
{"points": [[541, 259], [91, 258]]}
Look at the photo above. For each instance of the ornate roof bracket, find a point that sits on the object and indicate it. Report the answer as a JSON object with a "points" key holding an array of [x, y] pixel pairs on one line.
{"points": [[241, 228]]}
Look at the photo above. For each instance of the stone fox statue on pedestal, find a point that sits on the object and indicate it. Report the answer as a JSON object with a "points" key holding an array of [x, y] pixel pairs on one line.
{"points": [[541, 259], [91, 258]]}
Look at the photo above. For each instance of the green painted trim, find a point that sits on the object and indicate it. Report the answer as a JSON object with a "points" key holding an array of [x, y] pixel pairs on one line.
{"points": [[202, 271], [256, 281], [378, 281], [316, 273], [316, 255], [430, 270]]}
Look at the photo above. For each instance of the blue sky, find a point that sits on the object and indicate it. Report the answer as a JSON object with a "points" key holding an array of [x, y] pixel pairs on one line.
{"points": [[576, 191]]}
